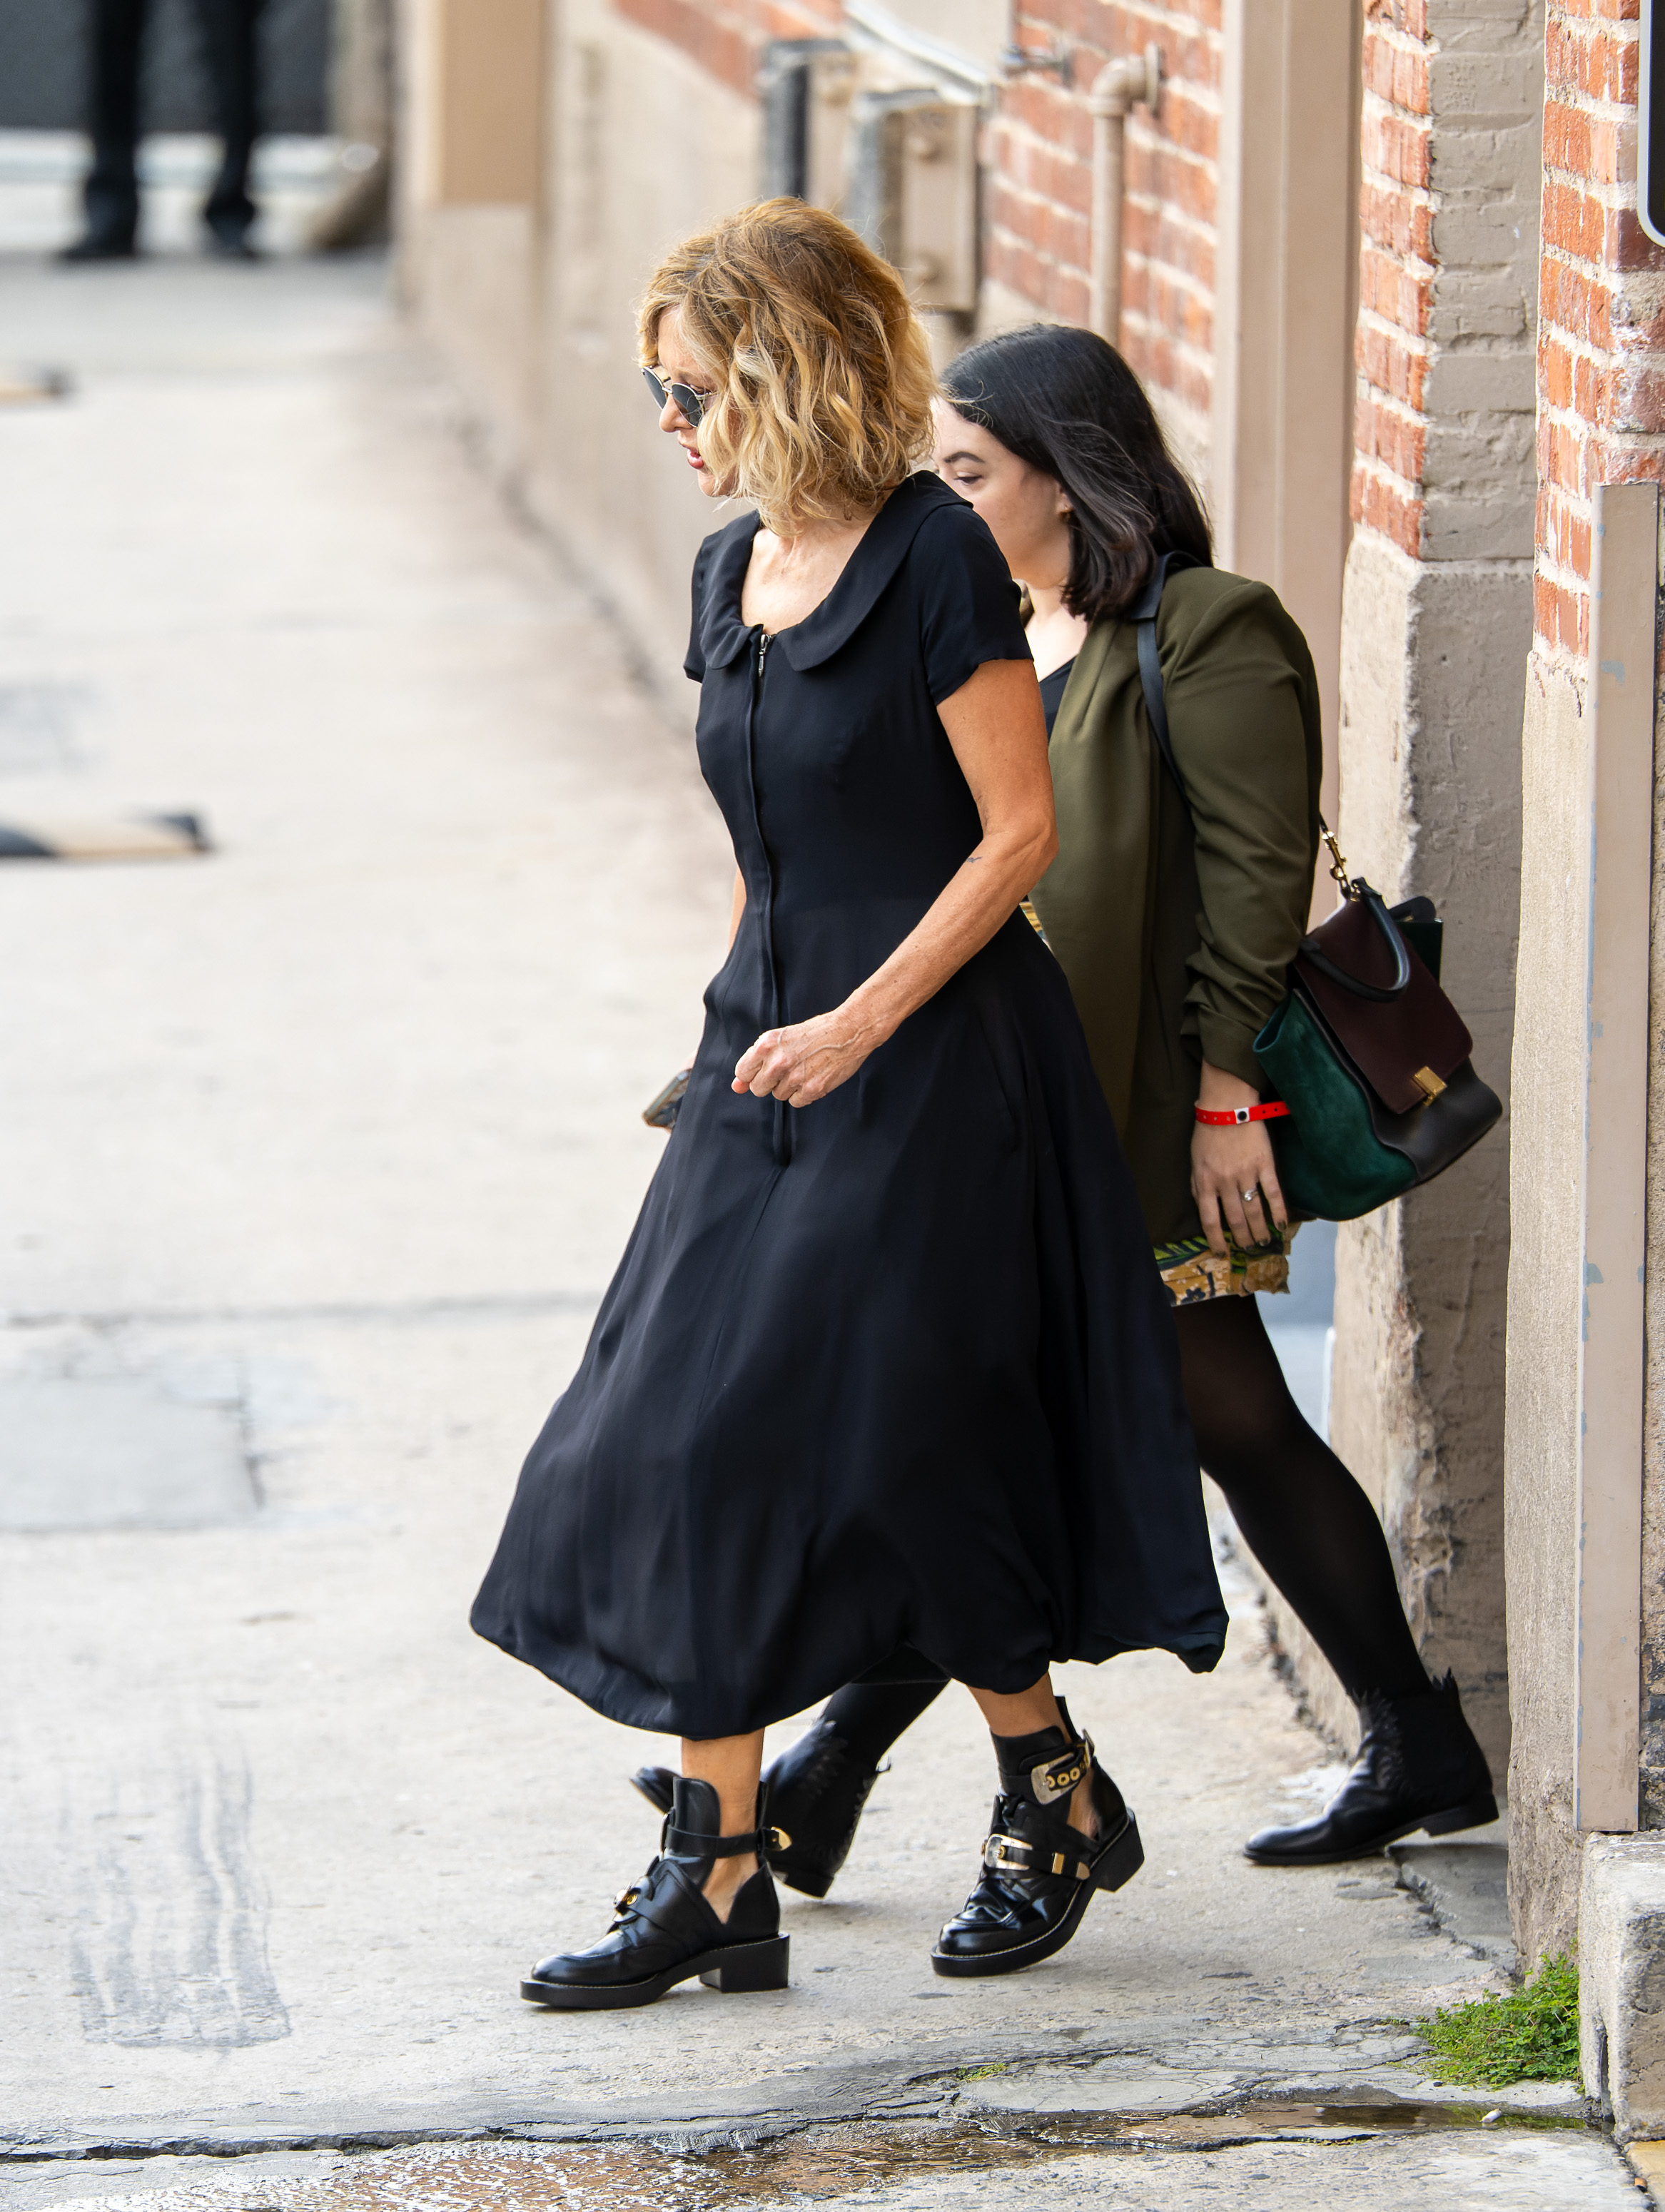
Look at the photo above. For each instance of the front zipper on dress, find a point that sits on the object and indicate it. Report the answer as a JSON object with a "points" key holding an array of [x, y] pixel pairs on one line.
{"points": [[780, 1130]]}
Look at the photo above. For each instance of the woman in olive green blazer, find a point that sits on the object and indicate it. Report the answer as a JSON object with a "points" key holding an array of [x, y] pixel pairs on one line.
{"points": [[1174, 916]]}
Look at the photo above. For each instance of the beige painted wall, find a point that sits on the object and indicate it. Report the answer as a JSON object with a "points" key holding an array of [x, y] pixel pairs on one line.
{"points": [[647, 146]]}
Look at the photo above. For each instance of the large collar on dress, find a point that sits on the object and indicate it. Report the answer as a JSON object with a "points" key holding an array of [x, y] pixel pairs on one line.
{"points": [[883, 547]]}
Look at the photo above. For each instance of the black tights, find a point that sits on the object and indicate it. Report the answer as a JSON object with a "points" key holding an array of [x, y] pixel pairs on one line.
{"points": [[1302, 1514]]}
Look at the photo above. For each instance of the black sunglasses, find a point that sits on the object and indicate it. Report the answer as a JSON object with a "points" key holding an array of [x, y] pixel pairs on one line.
{"points": [[690, 405]]}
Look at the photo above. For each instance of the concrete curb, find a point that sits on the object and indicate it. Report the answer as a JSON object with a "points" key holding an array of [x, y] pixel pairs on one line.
{"points": [[1621, 1980]]}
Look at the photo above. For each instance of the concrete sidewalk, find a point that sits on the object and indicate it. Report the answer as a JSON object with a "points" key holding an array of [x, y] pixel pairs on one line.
{"points": [[315, 1155]]}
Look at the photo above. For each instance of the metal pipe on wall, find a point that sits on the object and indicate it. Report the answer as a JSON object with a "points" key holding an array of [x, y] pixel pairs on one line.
{"points": [[1130, 80]]}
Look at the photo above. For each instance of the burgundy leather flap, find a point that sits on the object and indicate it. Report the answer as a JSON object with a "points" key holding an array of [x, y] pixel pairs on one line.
{"points": [[1387, 1043]]}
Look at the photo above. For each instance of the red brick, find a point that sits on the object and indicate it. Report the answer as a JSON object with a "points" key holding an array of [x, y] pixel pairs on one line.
{"points": [[1392, 436], [1396, 146], [1385, 506], [1578, 303], [1581, 58], [1396, 219], [1559, 616], [1573, 220]]}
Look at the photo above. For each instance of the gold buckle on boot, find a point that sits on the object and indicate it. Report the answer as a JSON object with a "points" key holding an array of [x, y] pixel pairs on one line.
{"points": [[1059, 1777], [1007, 1855]]}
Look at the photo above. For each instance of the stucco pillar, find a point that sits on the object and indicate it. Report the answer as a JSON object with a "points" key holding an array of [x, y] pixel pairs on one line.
{"points": [[1436, 626]]}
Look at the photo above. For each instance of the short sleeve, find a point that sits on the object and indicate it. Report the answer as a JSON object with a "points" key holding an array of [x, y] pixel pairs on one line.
{"points": [[694, 666], [968, 602]]}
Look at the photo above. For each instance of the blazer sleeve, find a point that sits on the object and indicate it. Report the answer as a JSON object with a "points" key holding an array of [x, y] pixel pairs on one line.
{"points": [[1242, 714]]}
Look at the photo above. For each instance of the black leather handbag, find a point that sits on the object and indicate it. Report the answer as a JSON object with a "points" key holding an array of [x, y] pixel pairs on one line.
{"points": [[1367, 1051]]}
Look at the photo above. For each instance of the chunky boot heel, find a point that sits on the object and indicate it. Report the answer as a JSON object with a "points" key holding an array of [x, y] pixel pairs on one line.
{"points": [[1039, 1873], [1477, 1814], [752, 1966], [1419, 1766], [664, 1931], [1120, 1859]]}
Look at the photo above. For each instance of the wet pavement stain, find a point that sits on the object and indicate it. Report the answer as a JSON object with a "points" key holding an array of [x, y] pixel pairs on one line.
{"points": [[814, 2165]]}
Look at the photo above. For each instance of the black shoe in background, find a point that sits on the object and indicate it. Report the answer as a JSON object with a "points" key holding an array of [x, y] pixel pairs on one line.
{"points": [[102, 245], [228, 238], [815, 1792], [1419, 1766]]}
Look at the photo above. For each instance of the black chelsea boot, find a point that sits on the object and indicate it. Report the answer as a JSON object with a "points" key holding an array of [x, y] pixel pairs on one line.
{"points": [[1419, 1766], [665, 1932]]}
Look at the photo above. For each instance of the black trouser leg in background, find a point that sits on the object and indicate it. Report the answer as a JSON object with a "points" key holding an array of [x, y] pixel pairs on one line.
{"points": [[871, 1715], [230, 31], [1303, 1515], [111, 194]]}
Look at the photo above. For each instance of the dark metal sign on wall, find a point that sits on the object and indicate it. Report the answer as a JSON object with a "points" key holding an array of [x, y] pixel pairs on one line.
{"points": [[43, 65], [1651, 123]]}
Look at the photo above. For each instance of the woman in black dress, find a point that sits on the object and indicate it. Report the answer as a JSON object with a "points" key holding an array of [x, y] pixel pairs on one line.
{"points": [[1174, 919], [886, 1378]]}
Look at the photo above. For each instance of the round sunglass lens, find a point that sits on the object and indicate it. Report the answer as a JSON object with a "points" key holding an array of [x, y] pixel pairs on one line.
{"points": [[687, 400]]}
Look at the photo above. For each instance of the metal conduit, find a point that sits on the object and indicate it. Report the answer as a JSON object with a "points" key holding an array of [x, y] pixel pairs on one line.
{"points": [[1129, 79]]}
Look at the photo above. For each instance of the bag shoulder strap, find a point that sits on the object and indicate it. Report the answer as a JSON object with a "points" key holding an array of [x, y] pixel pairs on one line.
{"points": [[1143, 615]]}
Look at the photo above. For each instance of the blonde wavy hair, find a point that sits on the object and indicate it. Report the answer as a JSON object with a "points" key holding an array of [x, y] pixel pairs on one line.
{"points": [[820, 370]]}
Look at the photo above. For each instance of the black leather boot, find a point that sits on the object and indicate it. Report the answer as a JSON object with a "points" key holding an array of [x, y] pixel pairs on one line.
{"points": [[815, 1791], [1419, 1766], [1039, 1873], [665, 1932]]}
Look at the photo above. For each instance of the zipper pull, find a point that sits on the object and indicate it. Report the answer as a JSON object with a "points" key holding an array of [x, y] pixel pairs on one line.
{"points": [[763, 649]]}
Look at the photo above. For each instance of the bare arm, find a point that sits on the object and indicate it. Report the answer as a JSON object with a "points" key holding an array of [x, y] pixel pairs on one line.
{"points": [[999, 733]]}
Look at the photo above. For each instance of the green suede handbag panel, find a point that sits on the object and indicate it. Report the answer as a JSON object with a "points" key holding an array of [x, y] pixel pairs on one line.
{"points": [[1330, 1162]]}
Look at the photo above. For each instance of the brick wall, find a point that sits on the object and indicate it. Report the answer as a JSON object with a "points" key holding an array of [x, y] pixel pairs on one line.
{"points": [[1395, 273], [1038, 240], [1602, 331]]}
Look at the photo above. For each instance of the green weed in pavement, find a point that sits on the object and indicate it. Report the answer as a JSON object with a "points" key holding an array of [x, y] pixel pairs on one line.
{"points": [[1529, 2035]]}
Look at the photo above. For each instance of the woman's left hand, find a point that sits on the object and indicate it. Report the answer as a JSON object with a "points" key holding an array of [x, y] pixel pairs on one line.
{"points": [[805, 1060], [1234, 1177]]}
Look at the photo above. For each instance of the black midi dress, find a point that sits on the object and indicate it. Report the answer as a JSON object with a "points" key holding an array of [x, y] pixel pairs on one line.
{"points": [[895, 1370]]}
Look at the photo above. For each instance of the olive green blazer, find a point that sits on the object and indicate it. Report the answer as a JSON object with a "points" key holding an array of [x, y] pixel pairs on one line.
{"points": [[1175, 925]]}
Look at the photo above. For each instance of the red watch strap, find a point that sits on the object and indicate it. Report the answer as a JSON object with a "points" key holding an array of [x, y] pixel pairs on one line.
{"points": [[1272, 1111]]}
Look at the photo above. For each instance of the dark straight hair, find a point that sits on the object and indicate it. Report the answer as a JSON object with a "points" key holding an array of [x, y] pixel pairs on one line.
{"points": [[1065, 402]]}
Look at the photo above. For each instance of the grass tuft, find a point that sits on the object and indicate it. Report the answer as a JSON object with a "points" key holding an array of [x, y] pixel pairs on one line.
{"points": [[1529, 2035]]}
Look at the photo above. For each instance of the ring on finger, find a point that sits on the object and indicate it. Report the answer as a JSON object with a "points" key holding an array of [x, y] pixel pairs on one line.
{"points": [[1249, 1196]]}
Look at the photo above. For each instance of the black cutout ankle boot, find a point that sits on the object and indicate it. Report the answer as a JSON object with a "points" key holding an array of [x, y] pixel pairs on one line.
{"points": [[816, 1790], [1419, 1766], [1039, 1873], [665, 1932]]}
